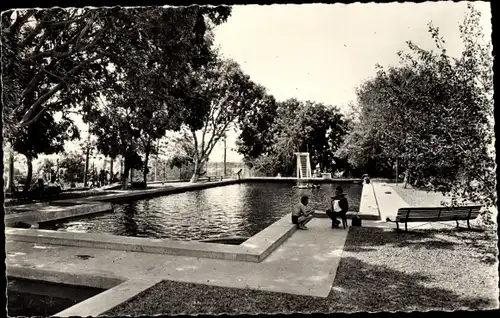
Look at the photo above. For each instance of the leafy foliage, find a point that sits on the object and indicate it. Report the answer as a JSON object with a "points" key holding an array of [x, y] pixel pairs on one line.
{"points": [[292, 126], [434, 113], [73, 164], [181, 146], [255, 134], [154, 62], [225, 94]]}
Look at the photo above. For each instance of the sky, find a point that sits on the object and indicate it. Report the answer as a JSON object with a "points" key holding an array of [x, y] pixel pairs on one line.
{"points": [[322, 52]]}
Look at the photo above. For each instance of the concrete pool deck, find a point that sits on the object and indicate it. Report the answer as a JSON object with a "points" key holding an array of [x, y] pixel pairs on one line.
{"points": [[157, 190], [304, 264], [254, 249], [54, 211]]}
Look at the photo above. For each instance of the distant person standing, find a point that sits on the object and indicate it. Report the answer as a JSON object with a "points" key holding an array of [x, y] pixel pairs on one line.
{"points": [[102, 177], [366, 178], [301, 214]]}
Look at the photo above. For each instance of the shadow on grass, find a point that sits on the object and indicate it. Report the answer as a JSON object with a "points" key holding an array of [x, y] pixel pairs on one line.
{"points": [[368, 239], [358, 287], [380, 288]]}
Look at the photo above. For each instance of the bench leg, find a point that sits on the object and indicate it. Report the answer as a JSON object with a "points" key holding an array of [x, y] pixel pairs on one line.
{"points": [[457, 223], [468, 224], [397, 226], [406, 226]]}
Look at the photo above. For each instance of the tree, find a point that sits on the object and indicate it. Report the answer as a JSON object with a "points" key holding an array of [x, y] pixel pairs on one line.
{"points": [[255, 134], [294, 126], [223, 93], [51, 62], [73, 164], [57, 60], [46, 136], [156, 62], [435, 113], [181, 145], [383, 127], [46, 167]]}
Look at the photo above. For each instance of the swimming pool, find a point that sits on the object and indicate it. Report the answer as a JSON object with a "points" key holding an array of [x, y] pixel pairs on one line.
{"points": [[233, 210], [37, 298]]}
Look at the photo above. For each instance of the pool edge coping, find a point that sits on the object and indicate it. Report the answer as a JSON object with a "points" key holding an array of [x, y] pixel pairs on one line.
{"points": [[255, 249], [110, 298]]}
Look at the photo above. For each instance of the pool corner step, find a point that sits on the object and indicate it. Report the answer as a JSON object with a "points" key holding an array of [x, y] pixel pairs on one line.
{"points": [[363, 216], [134, 244], [255, 249]]}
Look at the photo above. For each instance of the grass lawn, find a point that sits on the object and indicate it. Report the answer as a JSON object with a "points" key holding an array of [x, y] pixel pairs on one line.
{"points": [[418, 197], [380, 270]]}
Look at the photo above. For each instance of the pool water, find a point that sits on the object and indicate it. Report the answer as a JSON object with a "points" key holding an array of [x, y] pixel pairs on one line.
{"points": [[233, 210], [34, 298]]}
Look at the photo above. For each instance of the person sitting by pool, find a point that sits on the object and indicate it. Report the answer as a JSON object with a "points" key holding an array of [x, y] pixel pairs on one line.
{"points": [[301, 214], [339, 206]]}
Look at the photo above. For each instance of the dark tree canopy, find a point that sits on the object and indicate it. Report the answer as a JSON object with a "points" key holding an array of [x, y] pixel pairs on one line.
{"points": [[268, 141], [433, 113]]}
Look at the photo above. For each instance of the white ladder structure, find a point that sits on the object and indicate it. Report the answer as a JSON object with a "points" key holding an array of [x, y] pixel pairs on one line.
{"points": [[303, 165]]}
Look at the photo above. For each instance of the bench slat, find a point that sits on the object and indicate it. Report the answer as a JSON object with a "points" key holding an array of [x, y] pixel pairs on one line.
{"points": [[474, 207], [441, 218]]}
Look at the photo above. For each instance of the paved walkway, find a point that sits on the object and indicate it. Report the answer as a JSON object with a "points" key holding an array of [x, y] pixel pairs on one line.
{"points": [[305, 264], [388, 200], [368, 203]]}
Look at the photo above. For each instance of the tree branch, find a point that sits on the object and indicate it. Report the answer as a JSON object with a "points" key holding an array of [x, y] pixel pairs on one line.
{"points": [[53, 75], [216, 136], [64, 23], [53, 53], [196, 151], [85, 29], [32, 35], [26, 120], [31, 85], [20, 20], [42, 40], [37, 116]]}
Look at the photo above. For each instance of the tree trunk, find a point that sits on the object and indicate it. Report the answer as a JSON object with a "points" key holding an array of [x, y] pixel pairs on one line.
{"points": [[86, 171], [397, 176], [10, 182], [29, 176], [125, 176], [407, 178], [146, 169], [196, 172], [112, 161], [87, 155], [198, 165]]}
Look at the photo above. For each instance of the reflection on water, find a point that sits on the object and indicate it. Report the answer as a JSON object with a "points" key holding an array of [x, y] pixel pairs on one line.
{"points": [[233, 210]]}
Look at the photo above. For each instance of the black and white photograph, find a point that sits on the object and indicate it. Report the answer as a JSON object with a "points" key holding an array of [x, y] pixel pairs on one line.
{"points": [[208, 159]]}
